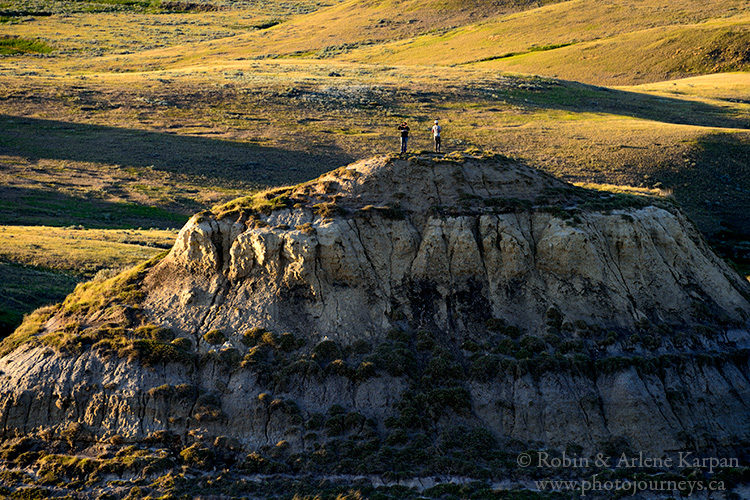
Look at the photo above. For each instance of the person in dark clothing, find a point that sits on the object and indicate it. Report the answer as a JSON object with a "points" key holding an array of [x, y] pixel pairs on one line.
{"points": [[404, 129]]}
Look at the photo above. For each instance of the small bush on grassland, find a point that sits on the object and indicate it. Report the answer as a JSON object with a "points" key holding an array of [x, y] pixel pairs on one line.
{"points": [[286, 341], [442, 367], [365, 370], [327, 210], [500, 326], [230, 357], [340, 368], [256, 356], [484, 367], [182, 391], [532, 344], [395, 358], [360, 346], [252, 336], [256, 464], [456, 398], [340, 422], [506, 346]]}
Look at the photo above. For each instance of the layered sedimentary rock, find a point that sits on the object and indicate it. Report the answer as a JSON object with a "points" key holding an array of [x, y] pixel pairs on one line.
{"points": [[524, 306]]}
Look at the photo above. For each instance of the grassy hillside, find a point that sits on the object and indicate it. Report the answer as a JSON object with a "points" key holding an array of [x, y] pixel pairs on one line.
{"points": [[654, 54], [326, 33], [25, 289], [731, 87], [628, 42], [101, 27], [80, 251], [585, 40]]}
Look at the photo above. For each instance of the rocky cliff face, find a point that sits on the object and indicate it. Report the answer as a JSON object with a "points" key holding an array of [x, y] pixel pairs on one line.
{"points": [[413, 296], [425, 244]]}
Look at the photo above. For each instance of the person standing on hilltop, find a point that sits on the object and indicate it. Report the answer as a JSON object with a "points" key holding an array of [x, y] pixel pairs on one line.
{"points": [[436, 129], [404, 129]]}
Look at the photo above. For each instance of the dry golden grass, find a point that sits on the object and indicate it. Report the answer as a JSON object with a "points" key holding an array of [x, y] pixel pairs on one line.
{"points": [[325, 33], [631, 136], [649, 55], [80, 251], [98, 34], [627, 42], [608, 41], [623, 42], [721, 86], [111, 183], [614, 188]]}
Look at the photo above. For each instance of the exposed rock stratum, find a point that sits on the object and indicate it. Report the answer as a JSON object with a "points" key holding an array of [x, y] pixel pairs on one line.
{"points": [[415, 294]]}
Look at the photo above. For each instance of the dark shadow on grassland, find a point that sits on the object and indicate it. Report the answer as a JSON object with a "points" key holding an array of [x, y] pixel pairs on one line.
{"points": [[217, 161], [23, 289], [583, 98], [712, 183], [36, 207]]}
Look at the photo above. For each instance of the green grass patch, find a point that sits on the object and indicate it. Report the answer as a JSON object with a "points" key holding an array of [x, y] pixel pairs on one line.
{"points": [[533, 48], [10, 46], [551, 46], [125, 335], [23, 289], [30, 327], [263, 202]]}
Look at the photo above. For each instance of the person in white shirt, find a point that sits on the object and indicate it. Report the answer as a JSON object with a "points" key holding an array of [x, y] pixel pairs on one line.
{"points": [[436, 135]]}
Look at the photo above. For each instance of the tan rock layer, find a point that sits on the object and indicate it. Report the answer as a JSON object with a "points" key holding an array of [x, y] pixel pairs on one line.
{"points": [[347, 276]]}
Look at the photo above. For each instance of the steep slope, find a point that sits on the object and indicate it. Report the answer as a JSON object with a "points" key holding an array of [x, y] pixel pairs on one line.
{"points": [[589, 41], [361, 322]]}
